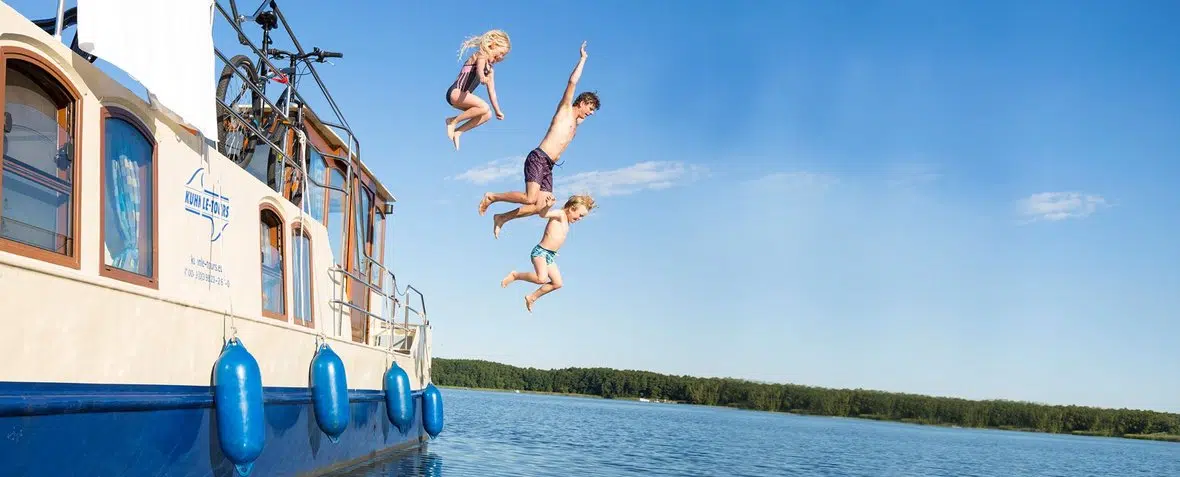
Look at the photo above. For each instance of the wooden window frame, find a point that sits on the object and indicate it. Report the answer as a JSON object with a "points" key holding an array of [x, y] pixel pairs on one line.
{"points": [[283, 266], [74, 98], [109, 271], [300, 229], [379, 237], [354, 241]]}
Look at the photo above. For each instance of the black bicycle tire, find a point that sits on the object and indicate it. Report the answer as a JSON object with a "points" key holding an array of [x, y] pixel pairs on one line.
{"points": [[227, 72]]}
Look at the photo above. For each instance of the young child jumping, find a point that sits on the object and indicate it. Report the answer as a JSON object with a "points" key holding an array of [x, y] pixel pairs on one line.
{"points": [[545, 271], [491, 48]]}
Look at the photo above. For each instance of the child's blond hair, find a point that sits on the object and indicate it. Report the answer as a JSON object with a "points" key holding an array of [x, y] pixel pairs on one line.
{"points": [[485, 42], [581, 199]]}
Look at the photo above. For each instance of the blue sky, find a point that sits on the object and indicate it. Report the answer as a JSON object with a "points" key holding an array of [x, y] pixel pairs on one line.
{"points": [[968, 199]]}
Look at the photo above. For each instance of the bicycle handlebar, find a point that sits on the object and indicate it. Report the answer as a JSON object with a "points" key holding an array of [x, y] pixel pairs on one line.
{"points": [[317, 53]]}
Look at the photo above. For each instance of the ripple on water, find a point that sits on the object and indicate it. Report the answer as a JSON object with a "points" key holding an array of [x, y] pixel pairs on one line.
{"points": [[508, 434]]}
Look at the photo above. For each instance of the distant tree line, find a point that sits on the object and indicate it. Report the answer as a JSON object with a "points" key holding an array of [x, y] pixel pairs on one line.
{"points": [[1002, 414]]}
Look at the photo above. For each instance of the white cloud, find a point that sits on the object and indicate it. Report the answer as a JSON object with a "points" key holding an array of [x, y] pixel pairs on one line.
{"points": [[1054, 206], [650, 175], [793, 181], [494, 171]]}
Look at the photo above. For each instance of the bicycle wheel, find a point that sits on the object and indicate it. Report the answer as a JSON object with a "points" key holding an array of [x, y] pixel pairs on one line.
{"points": [[233, 139]]}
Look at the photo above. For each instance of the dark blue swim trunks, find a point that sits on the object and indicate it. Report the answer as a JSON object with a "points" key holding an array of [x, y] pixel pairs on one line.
{"points": [[539, 168]]}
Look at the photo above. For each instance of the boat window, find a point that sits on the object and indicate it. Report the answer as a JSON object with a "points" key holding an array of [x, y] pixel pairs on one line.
{"points": [[363, 245], [301, 256], [337, 208], [38, 184], [318, 170], [364, 229], [128, 200], [377, 276], [273, 286]]}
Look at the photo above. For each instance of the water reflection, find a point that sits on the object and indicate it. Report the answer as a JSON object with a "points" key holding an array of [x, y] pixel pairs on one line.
{"points": [[416, 462]]}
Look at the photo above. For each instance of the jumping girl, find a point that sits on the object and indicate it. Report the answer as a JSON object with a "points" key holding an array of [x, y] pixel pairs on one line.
{"points": [[491, 47]]}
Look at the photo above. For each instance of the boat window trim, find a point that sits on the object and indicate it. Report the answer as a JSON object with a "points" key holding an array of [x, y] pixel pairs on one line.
{"points": [[73, 99], [356, 262], [299, 228], [110, 271], [282, 265], [346, 208]]}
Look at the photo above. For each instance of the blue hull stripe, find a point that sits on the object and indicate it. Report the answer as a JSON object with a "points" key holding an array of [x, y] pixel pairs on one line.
{"points": [[38, 399], [54, 429]]}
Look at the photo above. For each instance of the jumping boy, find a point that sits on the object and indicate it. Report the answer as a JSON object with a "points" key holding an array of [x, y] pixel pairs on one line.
{"points": [[546, 273], [538, 166]]}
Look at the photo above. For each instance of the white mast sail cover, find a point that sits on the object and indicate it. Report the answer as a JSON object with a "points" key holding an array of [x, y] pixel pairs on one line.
{"points": [[167, 45]]}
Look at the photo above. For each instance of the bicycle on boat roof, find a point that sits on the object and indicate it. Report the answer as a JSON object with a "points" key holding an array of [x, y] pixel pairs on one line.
{"points": [[241, 151], [235, 143]]}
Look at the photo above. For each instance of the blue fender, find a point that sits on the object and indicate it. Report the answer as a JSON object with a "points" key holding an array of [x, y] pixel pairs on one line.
{"points": [[329, 392], [399, 400], [237, 397], [432, 410]]}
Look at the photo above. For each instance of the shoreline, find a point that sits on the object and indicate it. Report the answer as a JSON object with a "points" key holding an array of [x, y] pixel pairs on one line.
{"points": [[1158, 437]]}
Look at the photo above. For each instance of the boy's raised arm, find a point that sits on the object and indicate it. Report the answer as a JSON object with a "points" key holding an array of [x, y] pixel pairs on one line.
{"points": [[568, 97], [551, 213]]}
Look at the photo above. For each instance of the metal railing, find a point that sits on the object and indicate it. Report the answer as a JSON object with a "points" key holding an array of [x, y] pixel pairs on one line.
{"points": [[386, 315], [290, 91]]}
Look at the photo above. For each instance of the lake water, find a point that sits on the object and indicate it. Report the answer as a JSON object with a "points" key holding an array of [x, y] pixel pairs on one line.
{"points": [[495, 433]]}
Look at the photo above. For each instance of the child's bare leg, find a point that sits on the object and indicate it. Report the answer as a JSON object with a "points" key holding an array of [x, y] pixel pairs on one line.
{"points": [[473, 122], [539, 275], [554, 284], [522, 211], [473, 107], [540, 201], [532, 190], [490, 198]]}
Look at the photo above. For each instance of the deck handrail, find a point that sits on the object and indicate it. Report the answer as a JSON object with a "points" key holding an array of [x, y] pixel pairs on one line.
{"points": [[393, 278]]}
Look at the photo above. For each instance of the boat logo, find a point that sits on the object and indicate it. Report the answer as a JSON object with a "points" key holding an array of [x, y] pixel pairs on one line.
{"points": [[201, 201]]}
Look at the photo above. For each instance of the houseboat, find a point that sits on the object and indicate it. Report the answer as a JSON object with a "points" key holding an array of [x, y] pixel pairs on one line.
{"points": [[194, 287]]}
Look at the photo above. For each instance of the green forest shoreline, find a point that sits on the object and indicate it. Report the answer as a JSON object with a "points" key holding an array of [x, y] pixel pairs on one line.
{"points": [[808, 400]]}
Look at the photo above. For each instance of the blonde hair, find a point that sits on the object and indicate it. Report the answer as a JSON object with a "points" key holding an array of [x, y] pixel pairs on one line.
{"points": [[485, 42], [576, 200]]}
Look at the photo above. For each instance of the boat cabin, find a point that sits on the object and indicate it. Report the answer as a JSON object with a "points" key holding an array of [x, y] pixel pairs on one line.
{"points": [[97, 183]]}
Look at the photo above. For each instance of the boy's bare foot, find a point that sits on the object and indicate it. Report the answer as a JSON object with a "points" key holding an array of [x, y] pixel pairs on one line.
{"points": [[483, 204], [508, 279], [498, 221], [528, 302]]}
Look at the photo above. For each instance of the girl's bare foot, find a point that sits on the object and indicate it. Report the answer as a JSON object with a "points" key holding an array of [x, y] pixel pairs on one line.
{"points": [[528, 302], [455, 139], [508, 279], [451, 128], [483, 204]]}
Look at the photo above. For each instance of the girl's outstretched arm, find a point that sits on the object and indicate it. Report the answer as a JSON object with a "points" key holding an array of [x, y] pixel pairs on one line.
{"points": [[492, 95], [490, 81]]}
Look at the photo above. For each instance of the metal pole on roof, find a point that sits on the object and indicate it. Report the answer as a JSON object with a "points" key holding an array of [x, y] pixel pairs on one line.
{"points": [[61, 13]]}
